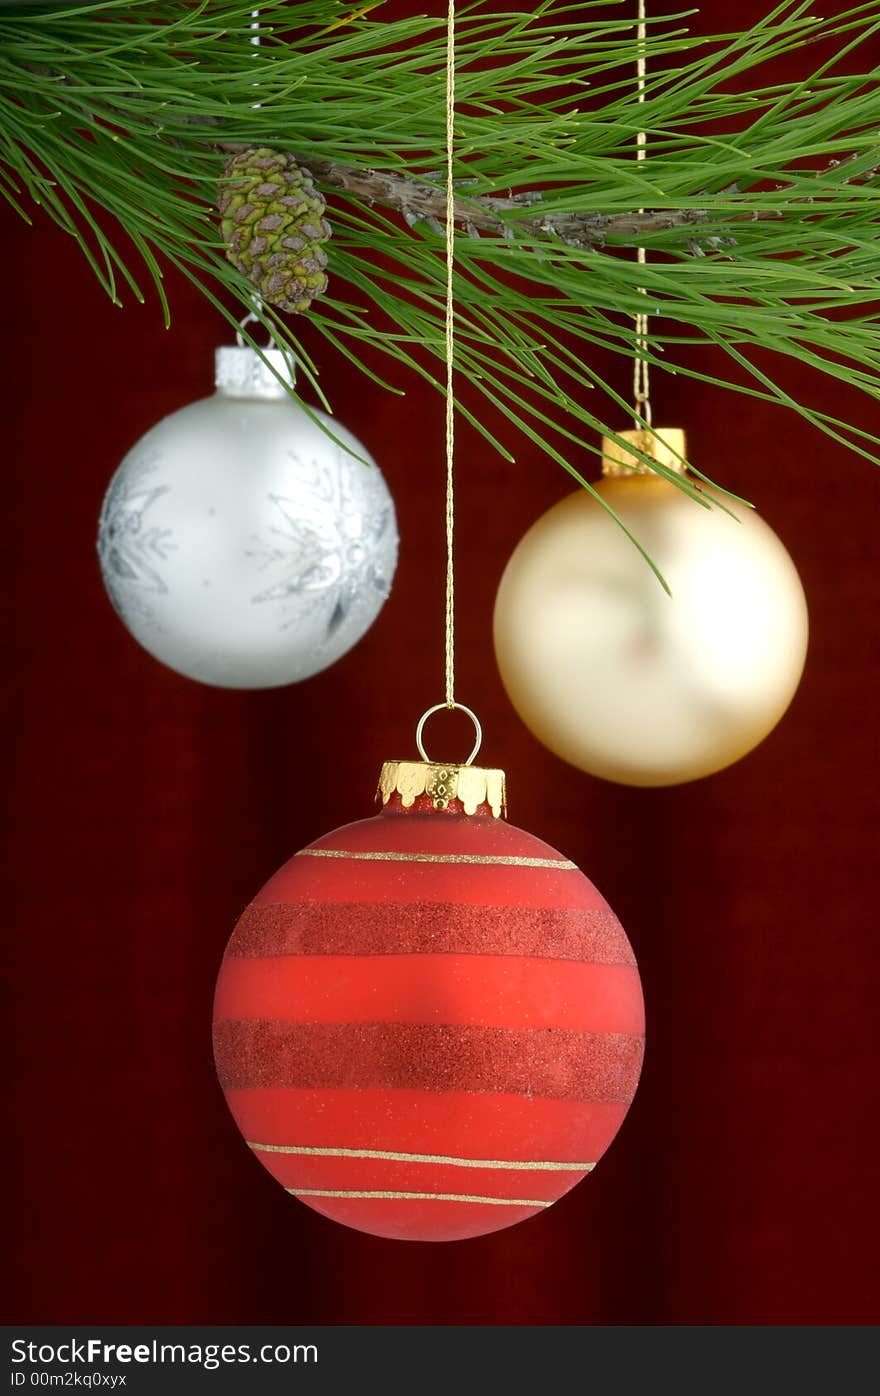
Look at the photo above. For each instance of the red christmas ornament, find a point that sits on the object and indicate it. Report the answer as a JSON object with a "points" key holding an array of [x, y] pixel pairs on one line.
{"points": [[429, 1024]]}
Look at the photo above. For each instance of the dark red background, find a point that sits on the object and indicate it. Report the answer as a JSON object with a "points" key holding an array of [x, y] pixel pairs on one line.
{"points": [[143, 811]]}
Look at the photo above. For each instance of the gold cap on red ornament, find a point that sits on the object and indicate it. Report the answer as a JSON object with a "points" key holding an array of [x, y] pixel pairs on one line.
{"points": [[445, 784]]}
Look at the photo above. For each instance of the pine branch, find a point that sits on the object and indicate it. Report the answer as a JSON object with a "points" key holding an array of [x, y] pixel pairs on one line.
{"points": [[765, 237], [419, 200], [422, 199]]}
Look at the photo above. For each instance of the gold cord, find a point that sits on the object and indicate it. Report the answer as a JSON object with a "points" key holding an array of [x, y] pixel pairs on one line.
{"points": [[641, 382], [449, 701], [450, 354]]}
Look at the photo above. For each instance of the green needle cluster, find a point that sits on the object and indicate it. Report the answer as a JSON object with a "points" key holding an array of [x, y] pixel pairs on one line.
{"points": [[117, 119]]}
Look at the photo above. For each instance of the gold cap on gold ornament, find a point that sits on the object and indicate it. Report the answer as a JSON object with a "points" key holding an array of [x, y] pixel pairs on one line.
{"points": [[442, 783], [665, 445]]}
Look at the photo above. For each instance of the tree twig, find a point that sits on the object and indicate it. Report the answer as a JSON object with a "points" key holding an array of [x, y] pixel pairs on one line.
{"points": [[420, 200]]}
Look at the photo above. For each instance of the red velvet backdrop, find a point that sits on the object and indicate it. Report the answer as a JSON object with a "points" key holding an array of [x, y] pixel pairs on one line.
{"points": [[144, 811]]}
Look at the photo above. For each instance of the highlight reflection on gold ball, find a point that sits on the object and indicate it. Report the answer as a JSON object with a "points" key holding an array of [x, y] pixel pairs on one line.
{"points": [[626, 682]]}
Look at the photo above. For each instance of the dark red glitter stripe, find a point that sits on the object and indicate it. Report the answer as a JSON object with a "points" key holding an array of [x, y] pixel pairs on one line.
{"points": [[431, 928], [555, 1063]]}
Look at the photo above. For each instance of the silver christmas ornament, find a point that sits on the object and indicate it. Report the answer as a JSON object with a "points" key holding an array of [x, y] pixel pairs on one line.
{"points": [[239, 543]]}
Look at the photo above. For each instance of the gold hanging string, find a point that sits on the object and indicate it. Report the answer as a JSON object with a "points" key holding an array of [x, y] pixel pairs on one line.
{"points": [[450, 355], [641, 380], [450, 700]]}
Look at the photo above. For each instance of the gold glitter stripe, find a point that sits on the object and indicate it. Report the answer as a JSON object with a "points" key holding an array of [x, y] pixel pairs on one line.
{"points": [[393, 1157], [474, 858], [422, 1197]]}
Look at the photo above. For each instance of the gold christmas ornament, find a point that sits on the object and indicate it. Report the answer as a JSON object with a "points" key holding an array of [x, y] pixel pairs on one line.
{"points": [[623, 680]]}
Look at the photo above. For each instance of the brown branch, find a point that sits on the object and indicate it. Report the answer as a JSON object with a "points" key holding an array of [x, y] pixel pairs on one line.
{"points": [[421, 201]]}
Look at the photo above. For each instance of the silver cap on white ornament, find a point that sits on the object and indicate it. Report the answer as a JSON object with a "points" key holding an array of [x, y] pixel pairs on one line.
{"points": [[240, 371]]}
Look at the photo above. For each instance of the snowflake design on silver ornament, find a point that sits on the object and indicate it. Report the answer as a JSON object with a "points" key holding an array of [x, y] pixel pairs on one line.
{"points": [[324, 549], [131, 552]]}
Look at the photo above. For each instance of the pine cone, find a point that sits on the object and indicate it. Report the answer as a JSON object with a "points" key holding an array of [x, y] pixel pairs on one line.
{"points": [[273, 225]]}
